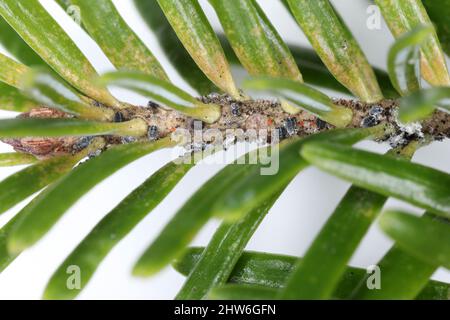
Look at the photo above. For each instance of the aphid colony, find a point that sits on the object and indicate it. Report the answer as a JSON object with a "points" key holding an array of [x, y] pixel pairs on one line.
{"points": [[247, 116]]}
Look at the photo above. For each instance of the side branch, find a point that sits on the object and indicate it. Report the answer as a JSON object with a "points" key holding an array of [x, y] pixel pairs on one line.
{"points": [[257, 115]]}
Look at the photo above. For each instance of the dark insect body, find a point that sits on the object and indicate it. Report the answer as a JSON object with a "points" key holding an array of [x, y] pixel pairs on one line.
{"points": [[153, 133]]}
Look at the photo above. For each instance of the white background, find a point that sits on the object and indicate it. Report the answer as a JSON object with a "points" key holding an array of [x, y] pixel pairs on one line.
{"points": [[289, 228]]}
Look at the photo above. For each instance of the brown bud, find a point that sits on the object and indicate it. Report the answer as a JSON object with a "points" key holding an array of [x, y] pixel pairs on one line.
{"points": [[43, 148]]}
